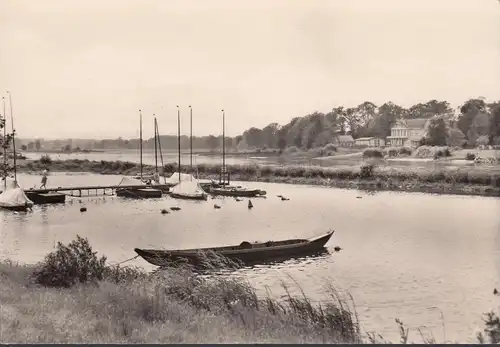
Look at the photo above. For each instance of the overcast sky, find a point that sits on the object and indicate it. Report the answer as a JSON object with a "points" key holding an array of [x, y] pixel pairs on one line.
{"points": [[84, 68]]}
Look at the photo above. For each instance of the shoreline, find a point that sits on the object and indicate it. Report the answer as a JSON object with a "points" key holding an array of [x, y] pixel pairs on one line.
{"points": [[475, 182]]}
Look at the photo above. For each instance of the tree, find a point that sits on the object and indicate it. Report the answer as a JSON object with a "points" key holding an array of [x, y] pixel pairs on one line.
{"points": [[24, 147], [387, 115], [495, 124], [436, 132], [469, 110], [483, 140], [38, 145], [456, 138], [212, 142], [5, 142]]}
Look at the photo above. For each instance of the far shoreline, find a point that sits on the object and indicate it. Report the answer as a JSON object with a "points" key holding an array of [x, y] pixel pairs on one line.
{"points": [[477, 182]]}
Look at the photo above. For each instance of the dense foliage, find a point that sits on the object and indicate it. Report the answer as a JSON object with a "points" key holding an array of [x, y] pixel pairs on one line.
{"points": [[474, 123]]}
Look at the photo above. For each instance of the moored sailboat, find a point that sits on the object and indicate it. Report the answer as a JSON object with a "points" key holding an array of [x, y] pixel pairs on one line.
{"points": [[187, 186], [142, 191]]}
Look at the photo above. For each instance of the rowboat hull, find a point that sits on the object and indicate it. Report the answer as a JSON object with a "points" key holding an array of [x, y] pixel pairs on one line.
{"points": [[245, 253], [202, 197], [244, 193], [139, 193]]}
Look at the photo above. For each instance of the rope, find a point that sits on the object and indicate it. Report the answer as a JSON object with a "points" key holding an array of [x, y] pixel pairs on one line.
{"points": [[127, 260]]}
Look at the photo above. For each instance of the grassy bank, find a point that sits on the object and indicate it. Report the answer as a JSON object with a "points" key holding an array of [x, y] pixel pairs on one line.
{"points": [[467, 181], [74, 296]]}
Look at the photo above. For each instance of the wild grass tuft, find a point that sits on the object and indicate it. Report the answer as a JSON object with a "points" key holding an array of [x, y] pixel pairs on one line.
{"points": [[76, 297]]}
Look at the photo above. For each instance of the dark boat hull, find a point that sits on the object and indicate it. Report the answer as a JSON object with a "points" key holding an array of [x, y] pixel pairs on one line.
{"points": [[189, 197], [249, 256], [46, 198], [17, 208], [139, 193], [244, 193]]}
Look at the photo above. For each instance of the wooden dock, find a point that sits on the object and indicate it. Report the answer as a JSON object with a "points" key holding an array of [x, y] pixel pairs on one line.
{"points": [[95, 190]]}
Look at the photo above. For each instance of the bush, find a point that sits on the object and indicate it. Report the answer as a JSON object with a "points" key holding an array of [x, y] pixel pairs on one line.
{"points": [[46, 159], [70, 265], [367, 171], [372, 153], [470, 156]]}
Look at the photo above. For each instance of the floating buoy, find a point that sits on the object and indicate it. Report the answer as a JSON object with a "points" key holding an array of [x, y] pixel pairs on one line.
{"points": [[164, 211], [495, 291], [279, 196], [175, 208], [216, 206], [359, 197], [250, 205], [284, 199], [337, 249], [83, 209], [238, 199]]}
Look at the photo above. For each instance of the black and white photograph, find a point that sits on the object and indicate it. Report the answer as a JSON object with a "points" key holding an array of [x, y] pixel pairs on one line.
{"points": [[249, 171]]}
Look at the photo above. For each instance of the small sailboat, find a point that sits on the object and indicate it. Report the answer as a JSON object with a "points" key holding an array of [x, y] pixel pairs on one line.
{"points": [[135, 188], [223, 188], [12, 198], [187, 187]]}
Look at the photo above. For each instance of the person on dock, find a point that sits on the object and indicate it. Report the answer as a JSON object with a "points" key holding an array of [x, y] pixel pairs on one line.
{"points": [[44, 179]]}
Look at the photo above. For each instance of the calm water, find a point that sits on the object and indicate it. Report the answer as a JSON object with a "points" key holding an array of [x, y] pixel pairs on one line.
{"points": [[406, 256]]}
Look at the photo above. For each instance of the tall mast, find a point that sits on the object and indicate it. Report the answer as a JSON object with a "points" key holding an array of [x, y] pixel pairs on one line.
{"points": [[140, 139], [4, 145], [13, 137], [157, 132], [223, 141], [179, 140], [191, 138], [156, 146]]}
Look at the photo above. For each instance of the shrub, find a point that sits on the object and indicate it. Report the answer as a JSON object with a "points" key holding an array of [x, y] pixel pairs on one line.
{"points": [[367, 171], [470, 156], [372, 153], [46, 159], [71, 264]]}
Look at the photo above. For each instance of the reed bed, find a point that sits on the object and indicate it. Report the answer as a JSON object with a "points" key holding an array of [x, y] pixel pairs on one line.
{"points": [[480, 175], [74, 296]]}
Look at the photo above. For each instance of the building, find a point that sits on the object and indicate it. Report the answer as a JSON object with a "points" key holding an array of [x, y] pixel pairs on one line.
{"points": [[345, 141], [370, 142], [408, 132]]}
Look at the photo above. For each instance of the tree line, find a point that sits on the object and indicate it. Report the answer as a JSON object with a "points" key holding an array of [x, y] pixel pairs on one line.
{"points": [[475, 122]]}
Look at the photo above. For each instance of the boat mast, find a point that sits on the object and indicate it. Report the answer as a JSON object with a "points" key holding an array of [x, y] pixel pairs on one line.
{"points": [[157, 132], [140, 139], [156, 146], [179, 140], [191, 138], [4, 145], [223, 148], [13, 138]]}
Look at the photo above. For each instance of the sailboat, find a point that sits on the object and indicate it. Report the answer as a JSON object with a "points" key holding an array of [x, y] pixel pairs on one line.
{"points": [[223, 188], [133, 187], [187, 188], [12, 198]]}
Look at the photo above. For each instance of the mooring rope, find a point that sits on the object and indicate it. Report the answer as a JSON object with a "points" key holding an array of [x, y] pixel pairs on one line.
{"points": [[127, 260]]}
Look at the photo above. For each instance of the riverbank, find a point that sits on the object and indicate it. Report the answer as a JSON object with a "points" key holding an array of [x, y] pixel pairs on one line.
{"points": [[74, 296], [479, 181]]}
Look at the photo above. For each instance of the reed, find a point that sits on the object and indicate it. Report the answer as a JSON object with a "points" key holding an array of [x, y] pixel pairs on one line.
{"points": [[74, 296]]}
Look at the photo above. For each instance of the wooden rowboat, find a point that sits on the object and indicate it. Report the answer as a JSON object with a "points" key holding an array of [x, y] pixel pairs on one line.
{"points": [[246, 252]]}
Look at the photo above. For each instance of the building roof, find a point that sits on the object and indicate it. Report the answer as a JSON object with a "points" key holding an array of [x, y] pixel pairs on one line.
{"points": [[418, 123], [345, 138], [364, 138]]}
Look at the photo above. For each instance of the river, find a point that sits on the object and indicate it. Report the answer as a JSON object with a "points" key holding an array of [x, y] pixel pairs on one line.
{"points": [[407, 256]]}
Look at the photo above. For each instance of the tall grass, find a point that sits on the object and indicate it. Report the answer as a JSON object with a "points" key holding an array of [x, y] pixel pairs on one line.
{"points": [[75, 296], [487, 176]]}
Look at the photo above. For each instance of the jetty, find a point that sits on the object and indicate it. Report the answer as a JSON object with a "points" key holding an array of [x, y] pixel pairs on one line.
{"points": [[84, 191]]}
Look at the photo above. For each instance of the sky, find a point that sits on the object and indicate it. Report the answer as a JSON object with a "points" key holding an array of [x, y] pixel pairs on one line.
{"points": [[83, 69]]}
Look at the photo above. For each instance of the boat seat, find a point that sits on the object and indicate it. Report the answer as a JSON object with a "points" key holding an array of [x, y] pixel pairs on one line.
{"points": [[246, 245]]}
